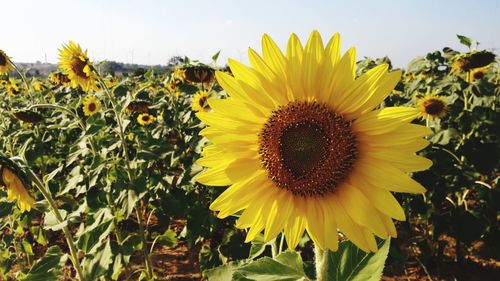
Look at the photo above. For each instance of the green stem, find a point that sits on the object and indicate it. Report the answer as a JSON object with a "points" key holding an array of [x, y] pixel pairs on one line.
{"points": [[69, 237], [22, 75], [282, 238], [321, 260], [121, 133], [82, 124], [274, 248], [24, 80]]}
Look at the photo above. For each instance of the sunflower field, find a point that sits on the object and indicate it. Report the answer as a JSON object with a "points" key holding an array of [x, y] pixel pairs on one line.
{"points": [[309, 164]]}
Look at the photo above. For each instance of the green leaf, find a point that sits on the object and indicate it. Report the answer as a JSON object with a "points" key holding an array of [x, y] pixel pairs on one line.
{"points": [[286, 267], [47, 268], [92, 235], [5, 208], [445, 136], [223, 272], [168, 238], [52, 223], [96, 263], [52, 174], [465, 40], [216, 56], [351, 263]]}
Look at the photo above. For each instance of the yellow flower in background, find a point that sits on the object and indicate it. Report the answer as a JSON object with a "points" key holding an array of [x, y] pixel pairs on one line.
{"points": [[178, 76], [91, 105], [145, 118], [15, 189], [171, 87], [38, 86], [302, 147], [478, 73], [12, 87], [59, 79], [408, 76], [431, 106], [77, 67], [199, 102], [5, 63]]}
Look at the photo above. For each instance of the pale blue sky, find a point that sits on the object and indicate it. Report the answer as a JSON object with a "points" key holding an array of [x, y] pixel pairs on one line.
{"points": [[151, 31]]}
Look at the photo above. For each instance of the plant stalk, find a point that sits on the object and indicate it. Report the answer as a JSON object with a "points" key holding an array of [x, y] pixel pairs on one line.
{"points": [[321, 261], [69, 237], [137, 207]]}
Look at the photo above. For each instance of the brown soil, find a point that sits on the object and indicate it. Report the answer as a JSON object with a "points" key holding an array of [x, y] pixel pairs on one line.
{"points": [[180, 263]]}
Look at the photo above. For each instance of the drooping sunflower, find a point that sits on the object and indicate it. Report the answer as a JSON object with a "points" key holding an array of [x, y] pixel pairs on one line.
{"points": [[431, 106], [199, 102], [91, 105], [199, 74], [302, 147], [5, 63], [145, 118], [138, 106], [474, 59], [77, 67], [478, 73], [59, 79], [15, 189]]}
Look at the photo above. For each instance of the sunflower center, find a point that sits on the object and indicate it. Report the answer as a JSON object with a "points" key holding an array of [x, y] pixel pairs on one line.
{"points": [[145, 118], [92, 107], [3, 59], [478, 75], [78, 65], [307, 148], [433, 106], [202, 101]]}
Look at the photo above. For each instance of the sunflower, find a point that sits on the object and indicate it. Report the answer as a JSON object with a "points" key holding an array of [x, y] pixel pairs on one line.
{"points": [[77, 66], [39, 87], [5, 63], [478, 73], [199, 102], [91, 105], [28, 116], [137, 106], [431, 106], [302, 148], [15, 189], [178, 76], [12, 87], [145, 118], [59, 79], [199, 74], [474, 59]]}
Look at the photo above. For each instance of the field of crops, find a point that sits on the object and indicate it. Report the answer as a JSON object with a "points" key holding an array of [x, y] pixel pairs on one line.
{"points": [[152, 176]]}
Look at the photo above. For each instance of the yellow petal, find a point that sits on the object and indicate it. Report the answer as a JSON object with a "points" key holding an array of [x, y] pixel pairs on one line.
{"points": [[346, 225], [273, 56], [314, 222], [389, 178], [279, 211], [361, 210], [384, 120], [382, 200], [342, 78], [313, 53], [295, 225]]}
